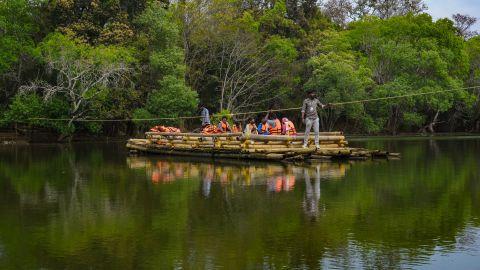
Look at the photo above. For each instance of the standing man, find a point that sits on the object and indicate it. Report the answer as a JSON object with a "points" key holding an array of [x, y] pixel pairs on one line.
{"points": [[204, 116], [310, 117]]}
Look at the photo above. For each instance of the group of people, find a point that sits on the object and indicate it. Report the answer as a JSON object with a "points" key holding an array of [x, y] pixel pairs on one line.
{"points": [[271, 124]]}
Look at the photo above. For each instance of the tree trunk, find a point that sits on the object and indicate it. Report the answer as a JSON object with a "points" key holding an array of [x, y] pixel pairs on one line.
{"points": [[430, 127]]}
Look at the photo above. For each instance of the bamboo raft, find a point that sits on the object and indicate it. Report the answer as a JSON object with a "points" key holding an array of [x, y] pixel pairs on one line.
{"points": [[240, 146]]}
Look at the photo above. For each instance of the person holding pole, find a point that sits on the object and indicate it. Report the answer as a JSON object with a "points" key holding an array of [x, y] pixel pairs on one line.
{"points": [[310, 117]]}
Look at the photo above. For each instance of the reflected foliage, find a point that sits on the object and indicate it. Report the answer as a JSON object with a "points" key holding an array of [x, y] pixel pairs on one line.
{"points": [[77, 206]]}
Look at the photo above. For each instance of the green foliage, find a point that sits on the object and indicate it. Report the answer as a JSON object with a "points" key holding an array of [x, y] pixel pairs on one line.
{"points": [[56, 47], [158, 26], [216, 118], [282, 49], [142, 113], [168, 61], [473, 50], [24, 108], [340, 78], [234, 55], [17, 27], [275, 22], [398, 56], [84, 78], [172, 99]]}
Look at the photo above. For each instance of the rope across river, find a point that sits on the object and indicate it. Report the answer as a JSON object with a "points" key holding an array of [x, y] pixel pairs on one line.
{"points": [[258, 112]]}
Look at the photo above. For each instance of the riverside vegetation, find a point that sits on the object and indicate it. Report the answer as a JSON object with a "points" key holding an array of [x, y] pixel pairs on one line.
{"points": [[125, 59]]}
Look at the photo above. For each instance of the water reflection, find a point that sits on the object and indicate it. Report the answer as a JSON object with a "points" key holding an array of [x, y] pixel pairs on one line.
{"points": [[312, 192], [276, 177], [74, 207]]}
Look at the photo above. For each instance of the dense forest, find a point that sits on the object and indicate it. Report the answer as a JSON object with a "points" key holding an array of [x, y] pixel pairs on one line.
{"points": [[141, 59]]}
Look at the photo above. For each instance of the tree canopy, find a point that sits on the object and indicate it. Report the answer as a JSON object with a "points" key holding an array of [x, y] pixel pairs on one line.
{"points": [[123, 59]]}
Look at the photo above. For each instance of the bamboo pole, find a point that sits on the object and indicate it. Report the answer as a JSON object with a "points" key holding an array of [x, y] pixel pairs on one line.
{"points": [[205, 147], [333, 145], [288, 138], [329, 133], [251, 156], [190, 142], [198, 149], [193, 134], [282, 150], [333, 152], [194, 138], [268, 156]]}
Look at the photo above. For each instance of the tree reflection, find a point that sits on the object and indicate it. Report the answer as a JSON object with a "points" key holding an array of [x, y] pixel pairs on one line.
{"points": [[74, 207]]}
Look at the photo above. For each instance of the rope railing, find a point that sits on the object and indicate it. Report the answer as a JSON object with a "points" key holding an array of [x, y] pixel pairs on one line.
{"points": [[255, 112]]}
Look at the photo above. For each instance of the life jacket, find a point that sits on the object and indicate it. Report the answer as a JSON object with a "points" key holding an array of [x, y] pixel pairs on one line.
{"points": [[210, 129], [225, 127], [264, 129], [165, 129], [290, 128], [277, 130], [235, 129]]}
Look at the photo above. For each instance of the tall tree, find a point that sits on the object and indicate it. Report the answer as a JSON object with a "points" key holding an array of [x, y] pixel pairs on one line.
{"points": [[463, 23], [17, 41], [169, 95], [80, 73], [230, 62]]}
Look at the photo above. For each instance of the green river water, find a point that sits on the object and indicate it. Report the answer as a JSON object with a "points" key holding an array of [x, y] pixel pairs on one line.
{"points": [[90, 206]]}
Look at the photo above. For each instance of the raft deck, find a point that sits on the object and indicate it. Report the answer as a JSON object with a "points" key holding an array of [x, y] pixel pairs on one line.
{"points": [[240, 146]]}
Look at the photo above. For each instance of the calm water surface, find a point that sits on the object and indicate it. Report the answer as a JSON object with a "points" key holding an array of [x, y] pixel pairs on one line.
{"points": [[89, 206]]}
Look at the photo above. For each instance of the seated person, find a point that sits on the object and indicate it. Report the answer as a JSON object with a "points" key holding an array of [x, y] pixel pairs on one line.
{"points": [[288, 128], [274, 124], [237, 127], [263, 128], [251, 127], [223, 126]]}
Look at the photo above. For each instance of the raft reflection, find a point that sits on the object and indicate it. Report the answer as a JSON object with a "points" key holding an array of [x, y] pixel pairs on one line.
{"points": [[277, 177]]}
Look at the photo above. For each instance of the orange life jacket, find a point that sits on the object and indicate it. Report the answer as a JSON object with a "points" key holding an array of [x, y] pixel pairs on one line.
{"points": [[290, 128], [265, 128], [235, 129], [165, 129], [225, 127], [277, 130], [210, 129]]}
